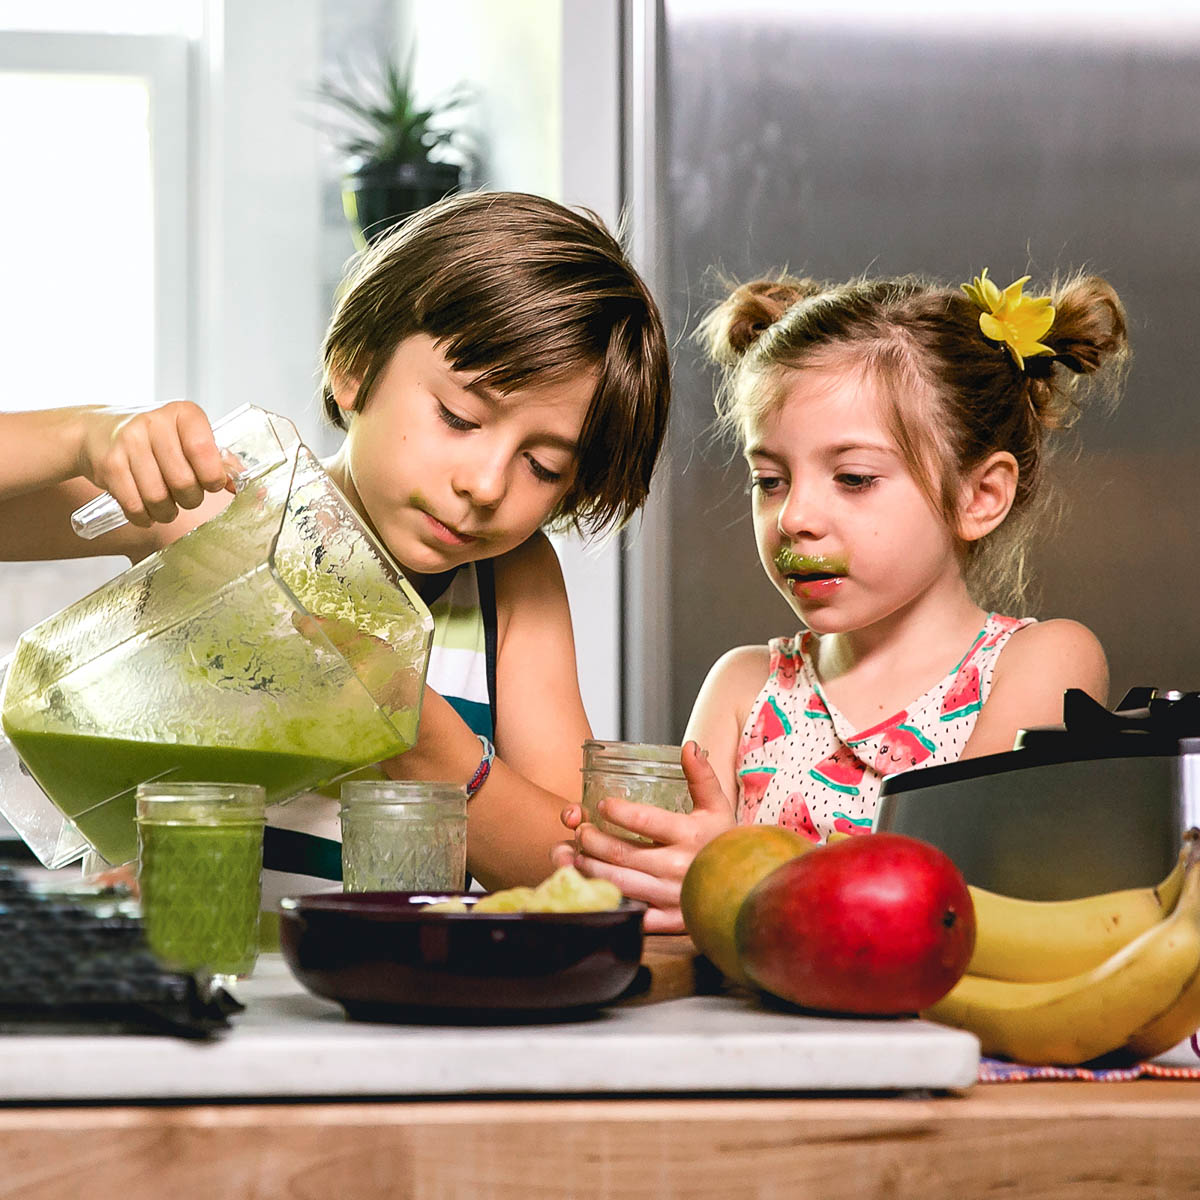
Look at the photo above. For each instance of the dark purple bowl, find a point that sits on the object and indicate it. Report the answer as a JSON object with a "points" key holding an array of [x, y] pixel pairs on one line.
{"points": [[382, 957]]}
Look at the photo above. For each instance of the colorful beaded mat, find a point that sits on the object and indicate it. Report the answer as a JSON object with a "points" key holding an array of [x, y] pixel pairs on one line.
{"points": [[995, 1070]]}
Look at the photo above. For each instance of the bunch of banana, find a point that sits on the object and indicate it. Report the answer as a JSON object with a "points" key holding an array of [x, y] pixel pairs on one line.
{"points": [[1032, 941], [1127, 966]]}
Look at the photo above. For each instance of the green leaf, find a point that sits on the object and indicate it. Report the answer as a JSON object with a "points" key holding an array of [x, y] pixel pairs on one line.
{"points": [[381, 122]]}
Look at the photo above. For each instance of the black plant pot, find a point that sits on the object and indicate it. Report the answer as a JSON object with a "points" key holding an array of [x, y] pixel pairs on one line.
{"points": [[375, 198]]}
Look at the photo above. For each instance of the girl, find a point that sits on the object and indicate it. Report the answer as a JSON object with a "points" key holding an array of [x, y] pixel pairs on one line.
{"points": [[497, 366], [894, 435]]}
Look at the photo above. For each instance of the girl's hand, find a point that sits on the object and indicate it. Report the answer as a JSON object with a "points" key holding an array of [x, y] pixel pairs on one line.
{"points": [[153, 463], [651, 873]]}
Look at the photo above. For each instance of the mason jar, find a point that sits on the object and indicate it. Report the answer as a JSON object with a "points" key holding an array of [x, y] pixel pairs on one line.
{"points": [[403, 836], [641, 772], [200, 856]]}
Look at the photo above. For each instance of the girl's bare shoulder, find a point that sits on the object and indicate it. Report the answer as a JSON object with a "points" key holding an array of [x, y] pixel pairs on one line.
{"points": [[1037, 665], [748, 662], [1051, 646], [723, 704], [738, 675], [1043, 660]]}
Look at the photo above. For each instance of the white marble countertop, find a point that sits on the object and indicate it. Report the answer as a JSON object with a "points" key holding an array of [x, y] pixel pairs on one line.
{"points": [[291, 1044]]}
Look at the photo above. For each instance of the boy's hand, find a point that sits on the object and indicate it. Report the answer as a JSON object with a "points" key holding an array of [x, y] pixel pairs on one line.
{"points": [[392, 680], [651, 873], [126, 876], [153, 463]]}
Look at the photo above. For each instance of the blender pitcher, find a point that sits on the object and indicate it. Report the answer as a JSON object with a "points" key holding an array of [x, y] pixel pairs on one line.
{"points": [[278, 643]]}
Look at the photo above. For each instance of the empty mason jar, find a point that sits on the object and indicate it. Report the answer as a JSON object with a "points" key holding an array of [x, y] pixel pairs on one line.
{"points": [[642, 772], [403, 836]]}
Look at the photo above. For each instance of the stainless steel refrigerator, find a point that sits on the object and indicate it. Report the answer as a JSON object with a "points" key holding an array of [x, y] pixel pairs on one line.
{"points": [[835, 144]]}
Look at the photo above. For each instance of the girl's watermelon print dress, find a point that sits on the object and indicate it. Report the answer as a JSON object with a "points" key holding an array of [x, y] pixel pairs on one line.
{"points": [[802, 765]]}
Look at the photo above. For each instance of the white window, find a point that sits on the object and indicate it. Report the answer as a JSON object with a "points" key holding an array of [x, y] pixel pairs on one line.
{"points": [[93, 217], [93, 243]]}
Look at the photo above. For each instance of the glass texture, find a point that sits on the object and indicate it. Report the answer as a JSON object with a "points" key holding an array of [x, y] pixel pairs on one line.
{"points": [[200, 873], [642, 773], [403, 836], [77, 231]]}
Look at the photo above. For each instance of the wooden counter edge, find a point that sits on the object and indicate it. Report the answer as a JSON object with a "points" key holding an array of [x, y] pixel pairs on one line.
{"points": [[1069, 1141]]}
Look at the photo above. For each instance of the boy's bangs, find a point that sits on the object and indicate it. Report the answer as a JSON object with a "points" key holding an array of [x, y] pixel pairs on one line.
{"points": [[516, 323], [621, 435], [507, 356]]}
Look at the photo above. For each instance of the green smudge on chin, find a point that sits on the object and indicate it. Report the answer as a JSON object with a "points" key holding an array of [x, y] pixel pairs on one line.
{"points": [[788, 562]]}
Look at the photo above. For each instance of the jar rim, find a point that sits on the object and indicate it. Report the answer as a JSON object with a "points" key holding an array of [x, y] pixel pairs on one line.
{"points": [[402, 792], [633, 770], [415, 811], [666, 751], [199, 802], [200, 789], [633, 756]]}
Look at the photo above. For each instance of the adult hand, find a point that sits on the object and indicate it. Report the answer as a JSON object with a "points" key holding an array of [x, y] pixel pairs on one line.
{"points": [[153, 463], [653, 872]]}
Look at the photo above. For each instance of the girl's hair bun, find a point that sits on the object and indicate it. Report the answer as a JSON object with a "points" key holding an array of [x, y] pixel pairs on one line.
{"points": [[748, 312], [1089, 327], [1089, 333]]}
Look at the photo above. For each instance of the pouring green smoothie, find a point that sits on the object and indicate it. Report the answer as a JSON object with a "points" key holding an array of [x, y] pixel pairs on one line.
{"points": [[277, 644]]}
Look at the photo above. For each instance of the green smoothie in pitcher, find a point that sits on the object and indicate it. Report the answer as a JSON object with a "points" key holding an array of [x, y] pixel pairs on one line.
{"points": [[92, 779]]}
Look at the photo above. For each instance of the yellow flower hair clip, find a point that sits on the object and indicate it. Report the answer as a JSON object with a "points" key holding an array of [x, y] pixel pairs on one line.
{"points": [[1009, 317]]}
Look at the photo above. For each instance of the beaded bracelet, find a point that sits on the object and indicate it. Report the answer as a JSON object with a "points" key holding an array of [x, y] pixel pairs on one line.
{"points": [[485, 766]]}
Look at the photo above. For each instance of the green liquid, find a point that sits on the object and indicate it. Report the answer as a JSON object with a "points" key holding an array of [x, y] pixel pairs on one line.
{"points": [[92, 779], [200, 889]]}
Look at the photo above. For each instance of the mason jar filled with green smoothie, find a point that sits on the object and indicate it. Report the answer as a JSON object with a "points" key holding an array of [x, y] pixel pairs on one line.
{"points": [[200, 853]]}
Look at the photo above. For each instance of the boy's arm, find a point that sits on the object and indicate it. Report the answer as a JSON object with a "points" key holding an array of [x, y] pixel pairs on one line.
{"points": [[541, 722], [513, 821], [41, 483], [1036, 666]]}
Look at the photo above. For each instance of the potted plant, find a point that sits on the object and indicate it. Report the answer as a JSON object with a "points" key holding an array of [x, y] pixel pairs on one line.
{"points": [[400, 156]]}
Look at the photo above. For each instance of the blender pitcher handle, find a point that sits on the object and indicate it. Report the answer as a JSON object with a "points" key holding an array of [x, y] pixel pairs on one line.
{"points": [[250, 444]]}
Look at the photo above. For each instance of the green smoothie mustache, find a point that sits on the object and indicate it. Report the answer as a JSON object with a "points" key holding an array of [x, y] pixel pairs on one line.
{"points": [[788, 562]]}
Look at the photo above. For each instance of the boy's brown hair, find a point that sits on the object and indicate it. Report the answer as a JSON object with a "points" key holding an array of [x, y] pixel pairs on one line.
{"points": [[523, 291]]}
